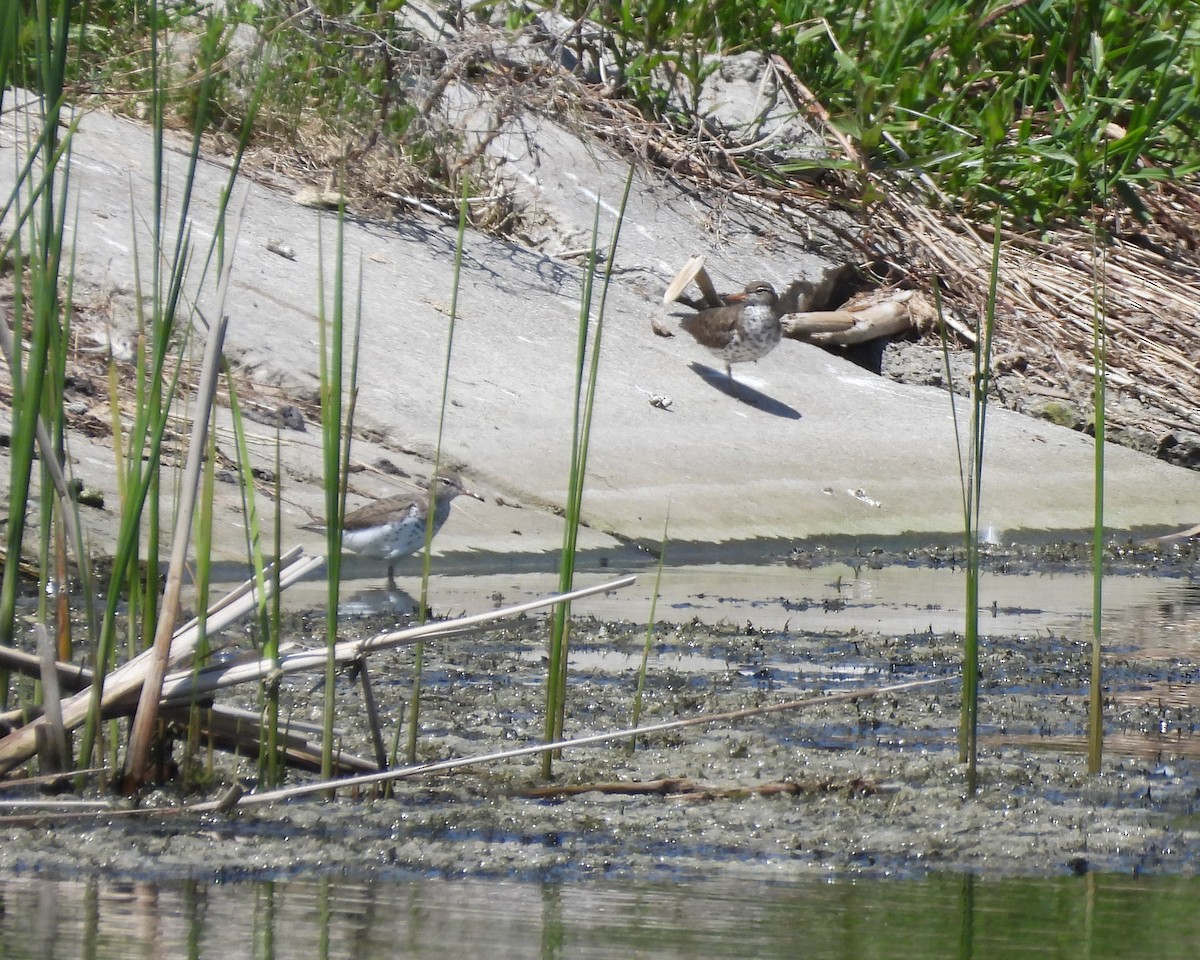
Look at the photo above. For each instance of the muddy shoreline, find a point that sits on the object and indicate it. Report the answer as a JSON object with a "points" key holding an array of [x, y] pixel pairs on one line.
{"points": [[878, 790]]}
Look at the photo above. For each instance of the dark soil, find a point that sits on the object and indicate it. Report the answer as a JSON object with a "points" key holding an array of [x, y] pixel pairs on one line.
{"points": [[872, 787]]}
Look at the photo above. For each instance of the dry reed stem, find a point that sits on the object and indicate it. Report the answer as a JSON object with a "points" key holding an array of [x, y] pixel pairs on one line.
{"points": [[126, 680], [161, 652], [184, 686]]}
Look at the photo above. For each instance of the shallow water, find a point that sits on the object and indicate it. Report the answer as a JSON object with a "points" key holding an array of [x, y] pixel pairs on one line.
{"points": [[941, 916], [893, 598]]}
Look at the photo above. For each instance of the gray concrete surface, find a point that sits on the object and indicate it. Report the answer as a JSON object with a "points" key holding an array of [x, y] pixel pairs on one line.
{"points": [[824, 448]]}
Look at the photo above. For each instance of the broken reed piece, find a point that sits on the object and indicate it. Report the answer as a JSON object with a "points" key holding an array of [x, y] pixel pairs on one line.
{"points": [[856, 322], [693, 270]]}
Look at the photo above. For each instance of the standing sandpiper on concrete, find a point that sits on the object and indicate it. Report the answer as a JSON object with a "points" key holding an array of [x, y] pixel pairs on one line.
{"points": [[748, 328], [394, 527]]}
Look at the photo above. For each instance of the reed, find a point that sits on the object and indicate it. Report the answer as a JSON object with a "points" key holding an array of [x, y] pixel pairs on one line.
{"points": [[636, 714], [267, 609], [414, 702], [168, 298], [560, 622], [202, 583], [587, 358], [44, 203], [1099, 391], [274, 769], [970, 468], [338, 394]]}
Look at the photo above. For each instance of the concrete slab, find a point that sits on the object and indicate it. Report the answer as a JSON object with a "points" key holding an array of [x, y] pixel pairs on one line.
{"points": [[824, 448]]}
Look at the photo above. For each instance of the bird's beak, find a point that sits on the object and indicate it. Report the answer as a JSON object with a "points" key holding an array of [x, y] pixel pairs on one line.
{"points": [[472, 494], [735, 297]]}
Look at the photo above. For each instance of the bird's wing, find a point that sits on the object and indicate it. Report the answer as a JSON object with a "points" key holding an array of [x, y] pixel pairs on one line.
{"points": [[715, 332], [380, 511]]}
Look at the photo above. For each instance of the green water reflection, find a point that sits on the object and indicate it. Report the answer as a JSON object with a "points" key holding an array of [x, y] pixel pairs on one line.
{"points": [[1092, 916]]}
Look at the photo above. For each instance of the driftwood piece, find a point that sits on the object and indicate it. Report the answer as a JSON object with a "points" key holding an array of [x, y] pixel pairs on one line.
{"points": [[693, 270], [182, 686], [185, 687], [856, 322], [861, 319], [228, 727], [1187, 534]]}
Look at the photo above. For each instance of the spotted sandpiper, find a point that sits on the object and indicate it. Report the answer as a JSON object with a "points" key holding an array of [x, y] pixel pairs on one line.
{"points": [[747, 328], [394, 527]]}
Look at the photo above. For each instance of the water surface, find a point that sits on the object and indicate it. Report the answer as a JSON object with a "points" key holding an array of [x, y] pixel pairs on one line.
{"points": [[941, 916]]}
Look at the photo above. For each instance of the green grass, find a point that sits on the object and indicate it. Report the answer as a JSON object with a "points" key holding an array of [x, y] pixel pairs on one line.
{"points": [[1010, 106], [339, 390], [1016, 107], [414, 704], [1099, 392]]}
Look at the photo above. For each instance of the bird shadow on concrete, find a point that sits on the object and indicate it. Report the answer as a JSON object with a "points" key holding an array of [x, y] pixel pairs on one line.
{"points": [[744, 392]]}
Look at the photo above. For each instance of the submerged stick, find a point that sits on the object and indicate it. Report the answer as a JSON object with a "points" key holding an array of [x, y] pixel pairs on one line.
{"points": [[368, 693]]}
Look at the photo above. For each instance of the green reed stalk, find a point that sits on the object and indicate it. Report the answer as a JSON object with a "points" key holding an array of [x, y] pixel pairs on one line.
{"points": [[55, 507], [202, 583], [585, 399], [204, 540], [31, 373], [970, 467], [968, 740], [258, 563], [641, 675], [334, 437], [10, 34], [147, 436], [1099, 390], [414, 703], [274, 772], [162, 344], [557, 659]]}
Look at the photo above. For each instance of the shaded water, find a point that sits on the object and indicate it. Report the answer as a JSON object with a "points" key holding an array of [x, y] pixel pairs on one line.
{"points": [[940, 916]]}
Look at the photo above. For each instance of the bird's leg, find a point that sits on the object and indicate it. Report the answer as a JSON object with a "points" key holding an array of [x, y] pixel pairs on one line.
{"points": [[735, 388], [392, 578]]}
